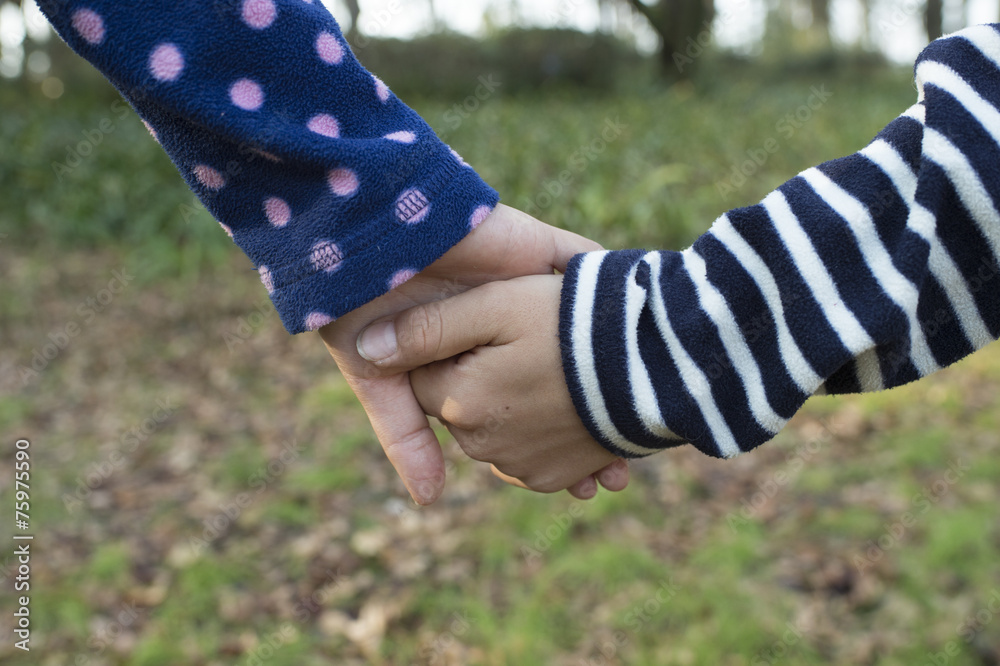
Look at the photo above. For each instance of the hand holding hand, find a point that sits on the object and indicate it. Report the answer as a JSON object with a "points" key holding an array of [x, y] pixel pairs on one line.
{"points": [[508, 244], [506, 400]]}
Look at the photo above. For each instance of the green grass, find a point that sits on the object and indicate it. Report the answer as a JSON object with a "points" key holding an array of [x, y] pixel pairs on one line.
{"points": [[328, 556]]}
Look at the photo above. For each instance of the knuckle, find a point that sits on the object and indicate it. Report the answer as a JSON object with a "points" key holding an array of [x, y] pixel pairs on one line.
{"points": [[545, 486], [422, 331]]}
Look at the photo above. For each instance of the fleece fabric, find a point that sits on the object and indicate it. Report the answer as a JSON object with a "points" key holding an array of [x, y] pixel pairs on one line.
{"points": [[335, 189], [861, 274]]}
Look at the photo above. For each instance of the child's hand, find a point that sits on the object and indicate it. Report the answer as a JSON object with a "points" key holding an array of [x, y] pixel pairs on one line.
{"points": [[506, 401], [508, 244]]}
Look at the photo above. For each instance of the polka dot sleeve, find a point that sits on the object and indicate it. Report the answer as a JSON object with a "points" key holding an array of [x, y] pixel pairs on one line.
{"points": [[335, 189]]}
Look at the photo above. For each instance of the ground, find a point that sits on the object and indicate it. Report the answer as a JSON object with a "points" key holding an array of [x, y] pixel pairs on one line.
{"points": [[205, 489]]}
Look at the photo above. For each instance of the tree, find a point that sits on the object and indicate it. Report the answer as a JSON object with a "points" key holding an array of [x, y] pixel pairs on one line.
{"points": [[684, 27], [934, 19], [821, 19], [355, 10]]}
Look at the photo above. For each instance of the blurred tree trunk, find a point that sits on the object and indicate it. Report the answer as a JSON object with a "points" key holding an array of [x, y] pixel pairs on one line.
{"points": [[684, 27], [934, 18], [435, 20], [355, 10], [866, 19], [821, 19]]}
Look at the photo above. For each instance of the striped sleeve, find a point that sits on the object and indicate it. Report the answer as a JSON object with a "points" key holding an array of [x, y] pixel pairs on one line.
{"points": [[861, 274]]}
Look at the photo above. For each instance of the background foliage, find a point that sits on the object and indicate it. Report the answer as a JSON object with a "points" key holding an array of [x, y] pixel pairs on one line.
{"points": [[207, 491]]}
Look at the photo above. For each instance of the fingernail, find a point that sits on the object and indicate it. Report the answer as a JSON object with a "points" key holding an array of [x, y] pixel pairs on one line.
{"points": [[377, 342]]}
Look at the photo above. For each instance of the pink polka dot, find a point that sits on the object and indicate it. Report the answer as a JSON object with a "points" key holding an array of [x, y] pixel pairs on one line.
{"points": [[265, 277], [229, 232], [89, 25], [259, 14], [278, 212], [209, 177], [402, 137], [381, 89], [247, 94], [326, 256], [343, 182], [401, 278], [166, 63], [412, 207], [479, 216], [329, 48], [317, 320], [325, 125]]}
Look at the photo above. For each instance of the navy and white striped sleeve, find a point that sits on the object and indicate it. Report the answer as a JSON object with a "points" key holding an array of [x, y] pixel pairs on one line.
{"points": [[861, 274]]}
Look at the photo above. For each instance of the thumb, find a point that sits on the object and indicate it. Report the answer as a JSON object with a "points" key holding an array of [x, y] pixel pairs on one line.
{"points": [[433, 331], [566, 245]]}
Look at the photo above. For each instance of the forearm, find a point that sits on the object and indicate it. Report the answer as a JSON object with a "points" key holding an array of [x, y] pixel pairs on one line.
{"points": [[333, 187], [862, 274]]}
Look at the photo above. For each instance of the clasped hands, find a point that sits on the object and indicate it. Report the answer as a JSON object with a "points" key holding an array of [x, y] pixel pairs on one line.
{"points": [[473, 340]]}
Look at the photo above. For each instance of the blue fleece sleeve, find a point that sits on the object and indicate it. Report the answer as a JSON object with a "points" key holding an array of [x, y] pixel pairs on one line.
{"points": [[335, 189], [861, 274]]}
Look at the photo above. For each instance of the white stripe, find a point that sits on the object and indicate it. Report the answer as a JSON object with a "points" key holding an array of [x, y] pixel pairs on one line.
{"points": [[695, 382], [714, 305], [583, 352], [940, 263], [948, 80], [918, 111], [900, 290], [818, 280], [643, 393], [954, 285], [985, 39], [895, 167], [799, 368], [964, 178]]}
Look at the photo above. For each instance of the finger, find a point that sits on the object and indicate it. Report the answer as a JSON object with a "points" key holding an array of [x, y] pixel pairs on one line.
{"points": [[584, 489], [508, 479], [566, 245], [614, 477], [433, 331], [405, 434]]}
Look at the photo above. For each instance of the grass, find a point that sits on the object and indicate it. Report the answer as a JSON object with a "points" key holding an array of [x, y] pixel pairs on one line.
{"points": [[192, 545]]}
